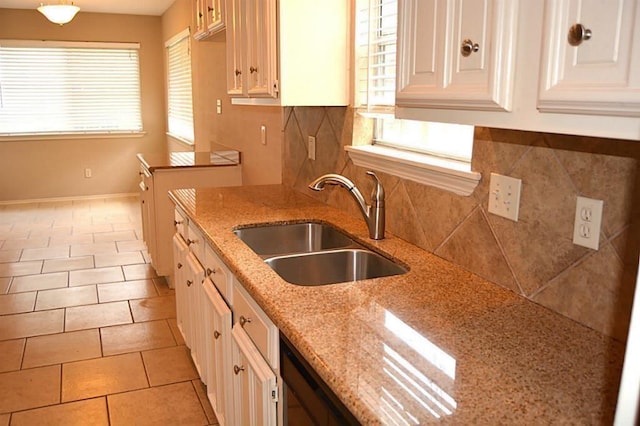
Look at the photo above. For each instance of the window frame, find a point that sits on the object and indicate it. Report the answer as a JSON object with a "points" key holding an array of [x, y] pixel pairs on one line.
{"points": [[432, 169], [136, 130]]}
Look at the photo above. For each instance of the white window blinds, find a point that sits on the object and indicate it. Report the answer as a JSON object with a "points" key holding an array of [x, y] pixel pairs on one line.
{"points": [[49, 87], [376, 44], [180, 104]]}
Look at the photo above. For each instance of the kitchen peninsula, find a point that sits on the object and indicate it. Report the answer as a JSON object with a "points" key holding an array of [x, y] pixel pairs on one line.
{"points": [[161, 172]]}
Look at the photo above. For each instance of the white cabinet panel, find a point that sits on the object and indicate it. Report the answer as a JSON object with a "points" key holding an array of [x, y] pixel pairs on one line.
{"points": [[180, 251], [217, 321], [598, 73], [195, 297], [255, 386], [456, 54]]}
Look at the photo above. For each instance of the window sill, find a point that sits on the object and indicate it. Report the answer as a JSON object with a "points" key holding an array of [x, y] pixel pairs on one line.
{"points": [[448, 175], [67, 136]]}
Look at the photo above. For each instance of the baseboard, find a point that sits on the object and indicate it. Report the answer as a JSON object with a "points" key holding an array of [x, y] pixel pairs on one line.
{"points": [[74, 198]]}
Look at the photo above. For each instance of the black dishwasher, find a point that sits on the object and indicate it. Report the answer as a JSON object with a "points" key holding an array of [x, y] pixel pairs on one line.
{"points": [[307, 399]]}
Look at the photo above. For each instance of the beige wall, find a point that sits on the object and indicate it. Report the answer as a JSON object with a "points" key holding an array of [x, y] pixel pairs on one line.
{"points": [[533, 257], [34, 169], [238, 126]]}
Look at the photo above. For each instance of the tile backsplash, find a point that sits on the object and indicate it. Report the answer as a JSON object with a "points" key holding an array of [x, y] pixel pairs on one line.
{"points": [[534, 257]]}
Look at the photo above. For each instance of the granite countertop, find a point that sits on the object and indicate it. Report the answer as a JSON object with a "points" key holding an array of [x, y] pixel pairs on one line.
{"points": [[437, 344], [175, 160]]}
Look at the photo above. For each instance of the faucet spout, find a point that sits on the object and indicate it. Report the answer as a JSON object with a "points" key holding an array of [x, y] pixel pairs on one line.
{"points": [[374, 214]]}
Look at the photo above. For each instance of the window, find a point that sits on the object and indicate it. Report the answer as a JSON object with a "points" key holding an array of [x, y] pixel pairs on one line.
{"points": [[180, 105], [52, 88], [415, 150]]}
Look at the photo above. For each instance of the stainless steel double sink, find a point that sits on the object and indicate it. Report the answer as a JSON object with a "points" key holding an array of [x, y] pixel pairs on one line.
{"points": [[314, 253]]}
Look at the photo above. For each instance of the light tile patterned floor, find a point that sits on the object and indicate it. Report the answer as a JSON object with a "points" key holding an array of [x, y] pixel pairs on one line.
{"points": [[87, 331]]}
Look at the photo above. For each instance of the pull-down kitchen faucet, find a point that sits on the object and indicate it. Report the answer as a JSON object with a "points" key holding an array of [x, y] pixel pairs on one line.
{"points": [[373, 214]]}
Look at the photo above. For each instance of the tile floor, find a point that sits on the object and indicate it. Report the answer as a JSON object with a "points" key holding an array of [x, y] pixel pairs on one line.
{"points": [[87, 330]]}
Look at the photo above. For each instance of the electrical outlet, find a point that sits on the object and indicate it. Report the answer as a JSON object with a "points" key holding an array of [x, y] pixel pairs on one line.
{"points": [[87, 173], [218, 106], [312, 148], [587, 223], [504, 196]]}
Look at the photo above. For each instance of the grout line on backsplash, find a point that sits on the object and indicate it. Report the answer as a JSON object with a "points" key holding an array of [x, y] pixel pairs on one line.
{"points": [[565, 171], [562, 274], [454, 230], [502, 251]]}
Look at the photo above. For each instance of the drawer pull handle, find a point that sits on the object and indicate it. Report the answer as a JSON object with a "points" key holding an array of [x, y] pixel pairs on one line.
{"points": [[237, 369], [216, 334], [253, 69], [189, 282], [244, 320], [190, 241], [179, 265], [177, 222]]}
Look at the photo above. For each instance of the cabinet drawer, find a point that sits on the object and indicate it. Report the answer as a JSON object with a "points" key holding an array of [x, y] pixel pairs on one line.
{"points": [[195, 242], [180, 222], [221, 277], [255, 322]]}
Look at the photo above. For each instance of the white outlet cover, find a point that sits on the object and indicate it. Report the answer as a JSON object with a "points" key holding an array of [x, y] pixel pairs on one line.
{"points": [[587, 222], [504, 196]]}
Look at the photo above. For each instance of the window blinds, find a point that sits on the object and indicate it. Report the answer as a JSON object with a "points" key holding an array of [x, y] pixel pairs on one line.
{"points": [[69, 87], [180, 104], [376, 32]]}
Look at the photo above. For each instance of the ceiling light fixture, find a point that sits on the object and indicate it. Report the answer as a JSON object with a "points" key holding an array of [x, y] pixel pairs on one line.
{"points": [[60, 13]]}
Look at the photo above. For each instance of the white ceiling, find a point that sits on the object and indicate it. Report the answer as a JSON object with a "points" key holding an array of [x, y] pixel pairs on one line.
{"points": [[134, 7]]}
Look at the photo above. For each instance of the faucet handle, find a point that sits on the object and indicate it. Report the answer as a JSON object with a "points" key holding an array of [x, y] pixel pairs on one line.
{"points": [[377, 194]]}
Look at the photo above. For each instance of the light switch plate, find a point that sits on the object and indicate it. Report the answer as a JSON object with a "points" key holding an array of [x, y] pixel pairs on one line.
{"points": [[504, 196], [312, 148]]}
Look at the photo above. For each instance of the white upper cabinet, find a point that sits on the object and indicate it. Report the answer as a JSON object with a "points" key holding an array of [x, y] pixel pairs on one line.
{"points": [[208, 18], [456, 53], [591, 57], [288, 52]]}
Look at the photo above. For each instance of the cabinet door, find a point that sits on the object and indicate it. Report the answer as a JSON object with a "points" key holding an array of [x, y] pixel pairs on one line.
{"points": [[591, 57], [195, 298], [255, 389], [200, 18], [217, 319], [235, 51], [261, 48], [180, 251], [215, 15], [456, 54]]}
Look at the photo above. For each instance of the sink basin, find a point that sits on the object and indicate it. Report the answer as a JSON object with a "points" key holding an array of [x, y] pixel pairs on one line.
{"points": [[305, 237], [334, 266]]}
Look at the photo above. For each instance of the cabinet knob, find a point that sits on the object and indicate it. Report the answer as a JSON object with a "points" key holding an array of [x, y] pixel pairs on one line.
{"points": [[244, 320], [213, 271], [216, 334], [577, 34], [468, 47], [189, 282], [190, 241], [210, 9], [179, 265], [253, 69], [177, 222], [237, 369], [238, 72]]}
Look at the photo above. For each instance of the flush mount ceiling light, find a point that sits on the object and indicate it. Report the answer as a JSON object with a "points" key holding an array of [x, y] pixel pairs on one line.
{"points": [[60, 13]]}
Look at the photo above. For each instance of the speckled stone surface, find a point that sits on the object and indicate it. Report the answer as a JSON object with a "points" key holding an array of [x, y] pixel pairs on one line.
{"points": [[435, 345]]}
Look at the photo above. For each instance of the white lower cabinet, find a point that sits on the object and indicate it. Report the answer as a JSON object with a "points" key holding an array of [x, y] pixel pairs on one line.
{"points": [[238, 364], [255, 389], [217, 325], [196, 303], [180, 252]]}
